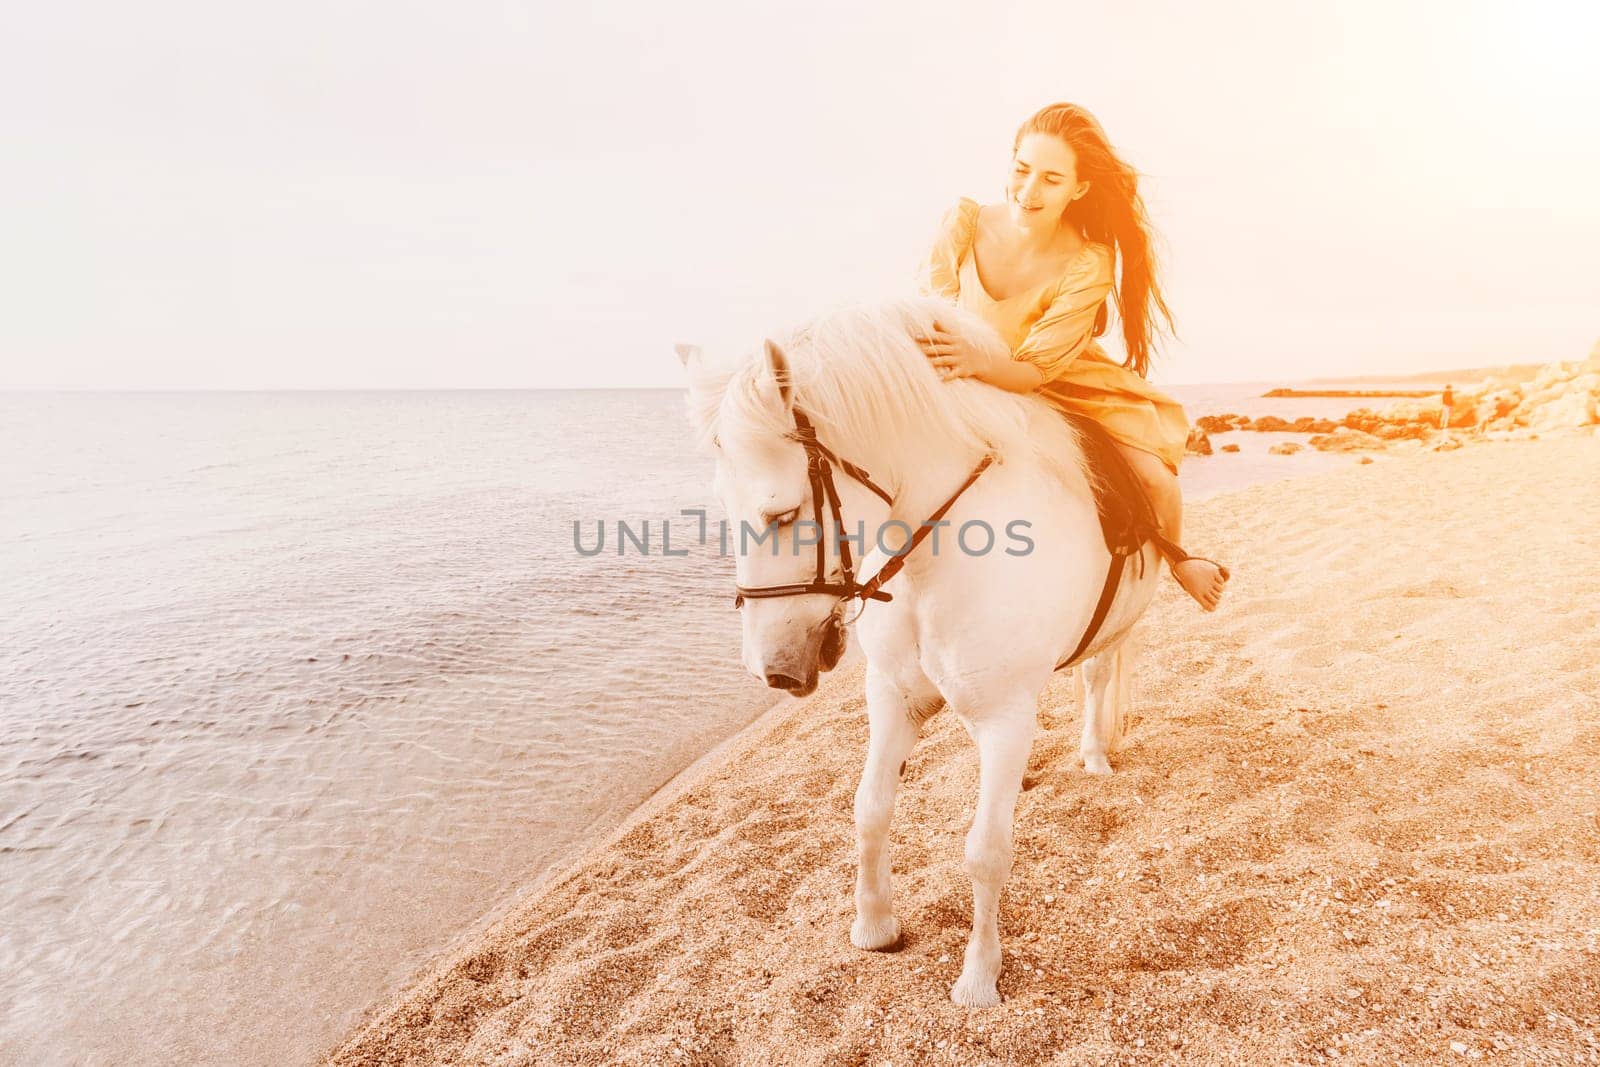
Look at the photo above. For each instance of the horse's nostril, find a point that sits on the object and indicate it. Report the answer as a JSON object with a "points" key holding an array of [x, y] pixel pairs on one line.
{"points": [[783, 681]]}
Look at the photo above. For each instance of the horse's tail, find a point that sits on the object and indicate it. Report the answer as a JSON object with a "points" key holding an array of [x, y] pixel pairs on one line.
{"points": [[1119, 694], [1112, 718]]}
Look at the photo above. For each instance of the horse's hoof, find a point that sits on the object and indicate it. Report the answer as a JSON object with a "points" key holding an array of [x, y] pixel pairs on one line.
{"points": [[875, 936], [1096, 764], [974, 993]]}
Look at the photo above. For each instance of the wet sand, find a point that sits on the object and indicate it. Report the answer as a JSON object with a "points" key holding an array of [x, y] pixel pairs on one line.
{"points": [[1357, 817]]}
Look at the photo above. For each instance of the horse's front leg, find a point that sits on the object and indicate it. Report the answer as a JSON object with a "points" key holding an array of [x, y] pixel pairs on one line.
{"points": [[892, 737], [1003, 742]]}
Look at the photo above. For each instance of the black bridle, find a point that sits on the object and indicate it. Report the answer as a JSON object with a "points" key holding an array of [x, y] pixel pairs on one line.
{"points": [[819, 460], [818, 470]]}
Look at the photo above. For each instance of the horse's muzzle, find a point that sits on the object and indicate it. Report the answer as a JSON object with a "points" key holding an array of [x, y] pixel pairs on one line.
{"points": [[824, 646]]}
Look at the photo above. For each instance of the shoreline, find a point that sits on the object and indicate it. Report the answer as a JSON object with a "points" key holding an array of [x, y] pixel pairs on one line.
{"points": [[406, 1028], [670, 789], [678, 782]]}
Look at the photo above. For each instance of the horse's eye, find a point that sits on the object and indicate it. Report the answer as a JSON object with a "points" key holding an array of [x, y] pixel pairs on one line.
{"points": [[783, 518]]}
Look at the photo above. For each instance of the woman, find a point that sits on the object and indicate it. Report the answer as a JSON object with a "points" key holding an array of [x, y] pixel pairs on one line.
{"points": [[1038, 268]]}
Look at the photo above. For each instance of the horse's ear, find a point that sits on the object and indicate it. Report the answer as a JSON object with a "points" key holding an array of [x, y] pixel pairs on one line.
{"points": [[687, 353], [778, 371]]}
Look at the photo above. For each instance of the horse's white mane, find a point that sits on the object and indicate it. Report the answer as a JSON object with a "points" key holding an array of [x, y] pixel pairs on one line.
{"points": [[874, 398]]}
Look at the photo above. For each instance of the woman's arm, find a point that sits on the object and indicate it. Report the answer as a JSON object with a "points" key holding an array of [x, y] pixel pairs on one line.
{"points": [[984, 356], [1060, 335], [1014, 376], [938, 274], [1067, 326]]}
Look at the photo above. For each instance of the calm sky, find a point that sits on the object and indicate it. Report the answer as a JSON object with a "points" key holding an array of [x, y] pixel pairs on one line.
{"points": [[336, 194]]}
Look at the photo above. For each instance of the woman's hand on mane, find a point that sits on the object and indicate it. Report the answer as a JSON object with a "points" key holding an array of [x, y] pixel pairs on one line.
{"points": [[960, 356], [963, 356]]}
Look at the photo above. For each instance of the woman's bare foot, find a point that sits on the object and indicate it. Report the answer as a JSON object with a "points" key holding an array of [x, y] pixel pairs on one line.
{"points": [[1202, 580]]}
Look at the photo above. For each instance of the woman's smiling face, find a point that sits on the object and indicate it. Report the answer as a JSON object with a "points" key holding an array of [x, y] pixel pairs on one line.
{"points": [[1043, 181]]}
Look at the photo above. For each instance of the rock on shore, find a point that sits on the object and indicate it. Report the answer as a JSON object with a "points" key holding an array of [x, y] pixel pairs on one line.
{"points": [[1559, 396]]}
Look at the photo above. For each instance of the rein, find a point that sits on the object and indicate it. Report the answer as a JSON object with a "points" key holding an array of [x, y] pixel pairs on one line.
{"points": [[819, 470]]}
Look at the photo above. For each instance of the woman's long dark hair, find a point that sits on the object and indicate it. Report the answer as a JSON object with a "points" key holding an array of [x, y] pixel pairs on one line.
{"points": [[1112, 213]]}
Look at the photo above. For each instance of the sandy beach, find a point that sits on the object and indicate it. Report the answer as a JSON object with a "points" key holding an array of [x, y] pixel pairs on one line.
{"points": [[1357, 818]]}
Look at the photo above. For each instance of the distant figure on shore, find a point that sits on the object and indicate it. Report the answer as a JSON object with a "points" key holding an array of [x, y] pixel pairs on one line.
{"points": [[1039, 267], [1447, 403]]}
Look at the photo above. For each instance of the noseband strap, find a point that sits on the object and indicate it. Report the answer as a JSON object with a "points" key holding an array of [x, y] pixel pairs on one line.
{"points": [[819, 470]]}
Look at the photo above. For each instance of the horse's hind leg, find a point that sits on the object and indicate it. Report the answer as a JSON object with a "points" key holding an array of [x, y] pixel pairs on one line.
{"points": [[1003, 742], [1104, 698], [892, 719]]}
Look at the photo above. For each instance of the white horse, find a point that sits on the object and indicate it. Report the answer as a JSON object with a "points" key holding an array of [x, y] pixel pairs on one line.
{"points": [[977, 632]]}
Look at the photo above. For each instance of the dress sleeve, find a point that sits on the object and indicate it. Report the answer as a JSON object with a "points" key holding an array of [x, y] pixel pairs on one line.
{"points": [[1067, 326], [940, 273]]}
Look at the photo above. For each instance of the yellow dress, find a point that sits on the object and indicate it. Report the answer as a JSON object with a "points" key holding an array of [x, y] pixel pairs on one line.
{"points": [[1050, 326]]}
